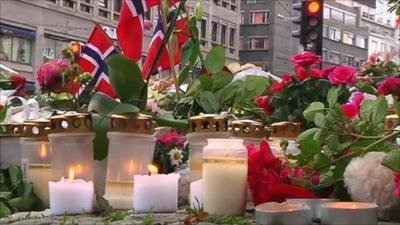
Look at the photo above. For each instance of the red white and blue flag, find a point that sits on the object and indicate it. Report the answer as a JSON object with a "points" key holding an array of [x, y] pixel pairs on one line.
{"points": [[163, 63], [92, 59]]}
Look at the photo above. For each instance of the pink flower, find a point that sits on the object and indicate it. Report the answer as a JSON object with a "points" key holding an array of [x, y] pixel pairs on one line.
{"points": [[171, 137], [372, 59], [398, 22], [263, 102], [152, 106], [276, 87], [49, 76], [397, 188], [327, 70], [351, 110], [301, 72], [306, 59], [390, 86], [287, 78], [317, 73], [315, 179], [298, 172], [343, 75]]}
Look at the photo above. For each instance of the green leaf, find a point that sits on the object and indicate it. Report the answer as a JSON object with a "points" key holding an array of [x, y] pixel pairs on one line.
{"points": [[332, 96], [190, 52], [126, 79], [5, 195], [25, 189], [205, 82], [15, 175], [215, 59], [220, 80], [164, 122], [309, 148], [379, 110], [3, 113], [4, 210], [312, 110], [321, 161], [333, 143], [392, 160], [101, 125], [366, 109], [106, 106], [183, 74], [320, 120], [23, 204], [307, 134], [209, 102]]}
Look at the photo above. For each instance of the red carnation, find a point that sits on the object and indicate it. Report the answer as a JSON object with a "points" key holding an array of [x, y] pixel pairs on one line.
{"points": [[263, 102], [390, 86], [306, 59]]}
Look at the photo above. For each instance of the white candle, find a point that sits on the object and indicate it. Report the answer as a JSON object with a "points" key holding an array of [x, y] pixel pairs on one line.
{"points": [[156, 192], [287, 213], [344, 213], [225, 176], [196, 194], [70, 196], [314, 204]]}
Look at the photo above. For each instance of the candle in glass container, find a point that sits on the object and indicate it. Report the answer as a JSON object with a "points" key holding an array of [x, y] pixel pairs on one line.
{"points": [[345, 213], [156, 192], [70, 196], [225, 176], [314, 204]]}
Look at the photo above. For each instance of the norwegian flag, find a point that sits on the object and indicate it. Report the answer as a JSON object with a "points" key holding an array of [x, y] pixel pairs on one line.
{"points": [[156, 42], [130, 26], [92, 59]]}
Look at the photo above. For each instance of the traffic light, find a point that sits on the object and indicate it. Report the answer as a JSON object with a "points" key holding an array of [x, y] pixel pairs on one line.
{"points": [[310, 21]]}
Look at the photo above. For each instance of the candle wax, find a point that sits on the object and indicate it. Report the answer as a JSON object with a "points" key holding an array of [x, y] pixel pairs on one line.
{"points": [[119, 194]]}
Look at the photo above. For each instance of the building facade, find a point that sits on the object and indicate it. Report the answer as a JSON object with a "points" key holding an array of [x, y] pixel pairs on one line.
{"points": [[34, 32]]}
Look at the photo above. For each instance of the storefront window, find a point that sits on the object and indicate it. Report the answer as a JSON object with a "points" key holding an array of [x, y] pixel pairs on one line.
{"points": [[5, 47], [15, 49], [53, 47]]}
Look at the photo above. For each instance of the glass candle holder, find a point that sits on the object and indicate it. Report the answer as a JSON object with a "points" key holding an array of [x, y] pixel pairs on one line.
{"points": [[10, 144], [71, 144], [225, 176], [284, 131], [36, 157], [252, 132], [131, 150], [201, 128]]}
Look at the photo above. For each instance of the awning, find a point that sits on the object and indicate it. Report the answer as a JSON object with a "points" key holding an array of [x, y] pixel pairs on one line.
{"points": [[17, 31]]}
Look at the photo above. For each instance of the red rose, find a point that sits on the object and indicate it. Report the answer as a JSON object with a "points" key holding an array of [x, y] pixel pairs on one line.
{"points": [[317, 73], [351, 110], [263, 102], [327, 70], [390, 86], [315, 179], [276, 87], [301, 72], [287, 78], [18, 83], [306, 59], [343, 75]]}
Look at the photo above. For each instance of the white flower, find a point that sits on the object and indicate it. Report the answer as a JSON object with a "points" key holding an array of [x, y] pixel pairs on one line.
{"points": [[367, 180], [175, 155]]}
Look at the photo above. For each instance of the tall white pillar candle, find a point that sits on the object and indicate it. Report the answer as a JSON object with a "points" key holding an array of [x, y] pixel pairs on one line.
{"points": [[225, 176]]}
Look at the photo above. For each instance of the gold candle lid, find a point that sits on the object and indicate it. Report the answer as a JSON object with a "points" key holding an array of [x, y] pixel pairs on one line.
{"points": [[391, 122], [11, 129], [78, 122], [136, 123], [248, 128], [36, 128], [208, 123], [286, 130]]}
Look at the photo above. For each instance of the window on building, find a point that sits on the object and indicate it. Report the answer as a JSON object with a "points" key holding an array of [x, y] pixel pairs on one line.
{"points": [[217, 2], [52, 1], [103, 4], [214, 31], [334, 57], [223, 34], [84, 7], [335, 34], [251, 1], [241, 43], [349, 19], [242, 18], [361, 41], [383, 47], [348, 60], [259, 43], [117, 5], [325, 54], [16, 49], [69, 3], [225, 4], [233, 5], [336, 15], [325, 31], [232, 34], [259, 17], [103, 13], [374, 46], [327, 12], [203, 32], [348, 38]]}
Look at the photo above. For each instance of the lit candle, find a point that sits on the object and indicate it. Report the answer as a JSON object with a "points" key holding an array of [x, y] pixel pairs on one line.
{"points": [[70, 196], [314, 204], [344, 213], [287, 213], [196, 194], [225, 176], [156, 192]]}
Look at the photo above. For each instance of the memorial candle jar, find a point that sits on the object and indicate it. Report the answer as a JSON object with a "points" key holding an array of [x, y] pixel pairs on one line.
{"points": [[36, 157], [201, 128], [10, 144], [283, 131], [131, 150], [252, 132], [71, 144], [225, 176]]}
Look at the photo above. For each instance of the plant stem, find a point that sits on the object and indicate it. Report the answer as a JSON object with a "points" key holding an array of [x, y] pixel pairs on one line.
{"points": [[171, 54]]}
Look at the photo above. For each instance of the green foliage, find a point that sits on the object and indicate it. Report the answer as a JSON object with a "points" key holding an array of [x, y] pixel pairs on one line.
{"points": [[3, 113], [149, 219], [215, 59], [115, 216], [16, 195], [66, 221], [392, 160], [227, 219]]}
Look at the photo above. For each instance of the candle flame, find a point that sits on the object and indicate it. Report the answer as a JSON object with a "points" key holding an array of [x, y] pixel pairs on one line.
{"points": [[353, 206], [131, 167], [78, 170], [153, 169], [71, 173], [43, 151]]}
